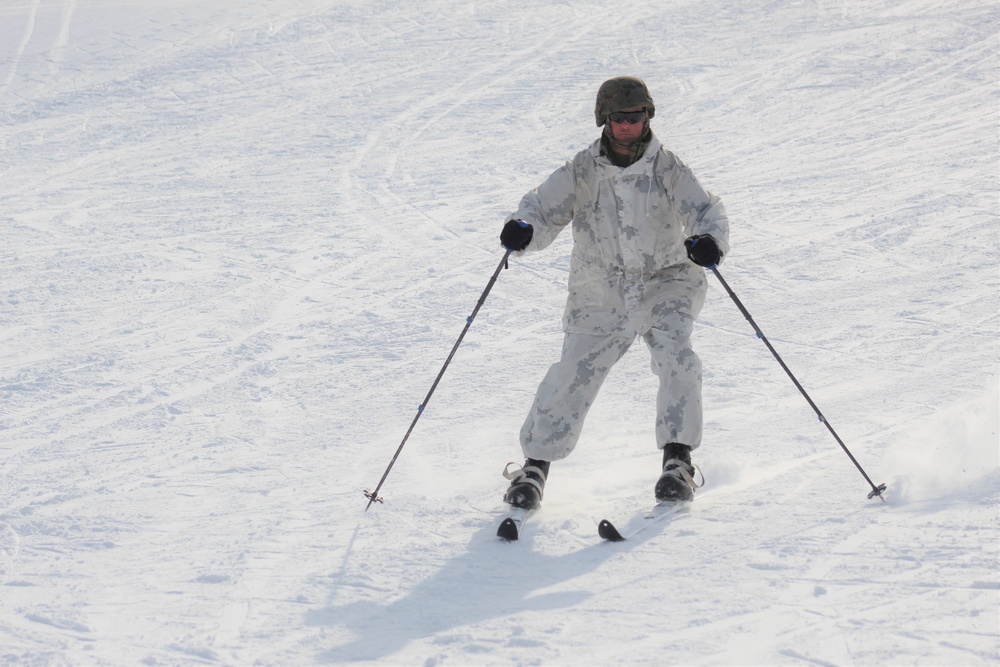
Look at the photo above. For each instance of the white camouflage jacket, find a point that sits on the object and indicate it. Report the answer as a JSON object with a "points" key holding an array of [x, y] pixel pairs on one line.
{"points": [[629, 227]]}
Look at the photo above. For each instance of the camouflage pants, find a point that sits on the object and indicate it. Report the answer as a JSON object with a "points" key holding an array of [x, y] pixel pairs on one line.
{"points": [[565, 395]]}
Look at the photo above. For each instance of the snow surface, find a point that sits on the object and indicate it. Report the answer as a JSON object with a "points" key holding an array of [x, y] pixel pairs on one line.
{"points": [[239, 240]]}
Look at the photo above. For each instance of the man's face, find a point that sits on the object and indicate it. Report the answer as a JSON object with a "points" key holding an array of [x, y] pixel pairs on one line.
{"points": [[624, 130]]}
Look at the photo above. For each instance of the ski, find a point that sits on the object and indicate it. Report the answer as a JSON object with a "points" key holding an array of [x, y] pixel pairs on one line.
{"points": [[510, 528], [608, 532], [656, 514]]}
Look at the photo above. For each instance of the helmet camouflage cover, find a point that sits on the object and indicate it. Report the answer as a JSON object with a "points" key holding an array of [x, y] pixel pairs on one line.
{"points": [[620, 93]]}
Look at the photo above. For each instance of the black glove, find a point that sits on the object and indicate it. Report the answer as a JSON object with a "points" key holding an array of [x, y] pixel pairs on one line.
{"points": [[516, 235], [703, 250]]}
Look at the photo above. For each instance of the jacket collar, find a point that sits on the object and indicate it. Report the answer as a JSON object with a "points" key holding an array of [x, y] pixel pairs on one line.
{"points": [[647, 157]]}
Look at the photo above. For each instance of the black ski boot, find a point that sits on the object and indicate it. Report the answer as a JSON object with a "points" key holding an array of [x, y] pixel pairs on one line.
{"points": [[526, 484], [677, 481]]}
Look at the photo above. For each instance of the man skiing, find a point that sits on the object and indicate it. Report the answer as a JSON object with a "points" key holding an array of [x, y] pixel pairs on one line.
{"points": [[642, 228]]}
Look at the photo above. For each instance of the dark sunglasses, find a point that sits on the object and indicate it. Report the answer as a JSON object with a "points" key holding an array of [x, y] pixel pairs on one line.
{"points": [[632, 117]]}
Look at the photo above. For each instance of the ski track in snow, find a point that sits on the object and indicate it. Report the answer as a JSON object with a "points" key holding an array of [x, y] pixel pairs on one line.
{"points": [[240, 240]]}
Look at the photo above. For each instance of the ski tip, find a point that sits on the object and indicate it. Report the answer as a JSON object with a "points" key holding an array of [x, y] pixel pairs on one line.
{"points": [[507, 530], [607, 531]]}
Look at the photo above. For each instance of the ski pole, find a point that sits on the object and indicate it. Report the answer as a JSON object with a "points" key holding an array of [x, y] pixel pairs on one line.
{"points": [[373, 495], [876, 490]]}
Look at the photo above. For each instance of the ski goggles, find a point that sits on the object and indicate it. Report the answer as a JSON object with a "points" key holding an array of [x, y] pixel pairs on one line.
{"points": [[632, 117]]}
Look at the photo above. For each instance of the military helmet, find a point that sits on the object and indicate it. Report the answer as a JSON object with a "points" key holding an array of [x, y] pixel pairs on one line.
{"points": [[620, 93]]}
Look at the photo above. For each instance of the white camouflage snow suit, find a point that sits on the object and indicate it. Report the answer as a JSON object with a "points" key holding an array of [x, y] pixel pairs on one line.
{"points": [[629, 276]]}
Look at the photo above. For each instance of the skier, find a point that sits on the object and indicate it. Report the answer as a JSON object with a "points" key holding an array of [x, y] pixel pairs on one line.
{"points": [[643, 228]]}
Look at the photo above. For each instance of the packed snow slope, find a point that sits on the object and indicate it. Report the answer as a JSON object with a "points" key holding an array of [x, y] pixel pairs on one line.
{"points": [[240, 239]]}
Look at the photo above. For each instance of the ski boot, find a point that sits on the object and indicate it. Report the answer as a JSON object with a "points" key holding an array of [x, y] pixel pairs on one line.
{"points": [[677, 481], [526, 484]]}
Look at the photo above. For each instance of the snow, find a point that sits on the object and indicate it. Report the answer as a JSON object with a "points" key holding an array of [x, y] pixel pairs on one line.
{"points": [[240, 239]]}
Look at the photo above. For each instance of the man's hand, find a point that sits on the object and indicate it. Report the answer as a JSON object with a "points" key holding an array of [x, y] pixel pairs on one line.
{"points": [[516, 235], [703, 250]]}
